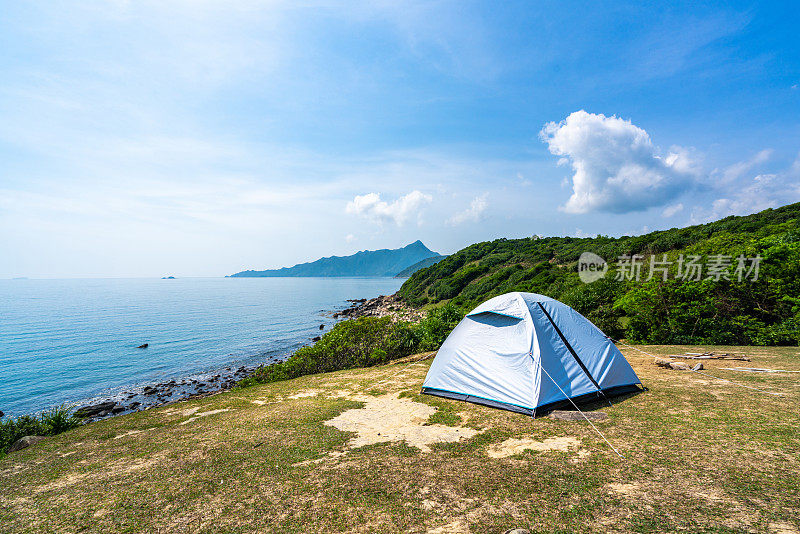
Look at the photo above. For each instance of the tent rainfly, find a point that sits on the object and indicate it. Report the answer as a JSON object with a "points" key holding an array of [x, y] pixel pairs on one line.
{"points": [[530, 354]]}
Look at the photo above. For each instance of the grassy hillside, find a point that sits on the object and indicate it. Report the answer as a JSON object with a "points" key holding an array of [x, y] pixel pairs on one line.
{"points": [[362, 451], [427, 262], [762, 312]]}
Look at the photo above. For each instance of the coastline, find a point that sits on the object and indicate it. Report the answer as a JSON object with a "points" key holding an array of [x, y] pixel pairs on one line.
{"points": [[139, 398]]}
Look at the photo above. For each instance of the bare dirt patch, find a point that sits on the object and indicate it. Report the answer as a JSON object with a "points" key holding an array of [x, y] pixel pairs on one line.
{"points": [[393, 418], [513, 446], [204, 414], [782, 528], [624, 489], [459, 526]]}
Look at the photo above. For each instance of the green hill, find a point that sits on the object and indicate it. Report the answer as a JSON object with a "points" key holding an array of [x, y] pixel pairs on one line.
{"points": [[427, 262], [765, 311]]}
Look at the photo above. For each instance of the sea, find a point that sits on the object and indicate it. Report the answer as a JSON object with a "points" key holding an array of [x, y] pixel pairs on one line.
{"points": [[75, 341]]}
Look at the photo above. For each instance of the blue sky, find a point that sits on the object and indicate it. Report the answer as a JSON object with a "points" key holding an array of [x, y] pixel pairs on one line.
{"points": [[199, 138]]}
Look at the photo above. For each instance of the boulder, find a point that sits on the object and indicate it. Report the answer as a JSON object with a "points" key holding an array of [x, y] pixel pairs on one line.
{"points": [[143, 346], [698, 367], [315, 338], [25, 442], [678, 366], [322, 327], [1, 413], [117, 409], [95, 409], [149, 390]]}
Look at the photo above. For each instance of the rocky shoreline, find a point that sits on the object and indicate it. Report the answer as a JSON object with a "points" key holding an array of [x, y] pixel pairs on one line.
{"points": [[163, 393], [381, 306], [175, 390]]}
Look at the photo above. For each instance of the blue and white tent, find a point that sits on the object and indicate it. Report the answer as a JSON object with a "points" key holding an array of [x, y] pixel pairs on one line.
{"points": [[528, 353]]}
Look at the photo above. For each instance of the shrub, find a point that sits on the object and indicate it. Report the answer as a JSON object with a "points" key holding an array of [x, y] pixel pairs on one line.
{"points": [[48, 423], [362, 342]]}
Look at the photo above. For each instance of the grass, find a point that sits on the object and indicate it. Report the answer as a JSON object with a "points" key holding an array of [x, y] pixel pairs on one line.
{"points": [[700, 456]]}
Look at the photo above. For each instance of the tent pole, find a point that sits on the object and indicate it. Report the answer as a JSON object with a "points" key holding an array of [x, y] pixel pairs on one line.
{"points": [[574, 354]]}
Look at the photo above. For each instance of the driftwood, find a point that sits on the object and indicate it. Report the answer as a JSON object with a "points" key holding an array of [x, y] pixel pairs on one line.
{"points": [[710, 356]]}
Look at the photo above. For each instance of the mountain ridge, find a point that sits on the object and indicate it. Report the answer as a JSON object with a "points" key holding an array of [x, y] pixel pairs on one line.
{"points": [[382, 262]]}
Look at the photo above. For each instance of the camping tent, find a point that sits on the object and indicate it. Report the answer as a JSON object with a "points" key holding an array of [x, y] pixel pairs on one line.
{"points": [[528, 353]]}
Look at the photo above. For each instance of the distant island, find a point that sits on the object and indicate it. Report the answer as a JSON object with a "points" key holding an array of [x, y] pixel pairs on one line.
{"points": [[384, 262]]}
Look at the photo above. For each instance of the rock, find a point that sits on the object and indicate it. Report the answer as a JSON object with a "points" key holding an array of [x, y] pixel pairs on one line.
{"points": [[698, 367], [669, 364], [95, 409], [1, 413], [149, 390], [134, 405], [143, 346], [568, 415], [517, 531], [315, 338], [322, 327], [25, 442], [117, 409]]}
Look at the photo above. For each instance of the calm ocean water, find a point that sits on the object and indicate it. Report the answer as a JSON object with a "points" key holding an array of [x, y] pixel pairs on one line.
{"points": [[75, 340]]}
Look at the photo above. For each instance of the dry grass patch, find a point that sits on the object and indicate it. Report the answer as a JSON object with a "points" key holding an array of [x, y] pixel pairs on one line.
{"points": [[700, 456]]}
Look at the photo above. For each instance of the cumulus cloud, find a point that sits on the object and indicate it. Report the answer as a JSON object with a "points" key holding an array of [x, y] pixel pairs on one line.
{"points": [[474, 213], [616, 166], [371, 207]]}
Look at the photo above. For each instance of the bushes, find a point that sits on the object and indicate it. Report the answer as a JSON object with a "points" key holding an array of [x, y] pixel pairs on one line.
{"points": [[362, 342], [766, 312], [49, 423]]}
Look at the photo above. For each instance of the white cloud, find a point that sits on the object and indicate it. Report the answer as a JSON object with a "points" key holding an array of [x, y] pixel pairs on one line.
{"points": [[751, 195], [669, 211], [370, 206], [737, 170], [350, 238], [474, 213], [616, 167]]}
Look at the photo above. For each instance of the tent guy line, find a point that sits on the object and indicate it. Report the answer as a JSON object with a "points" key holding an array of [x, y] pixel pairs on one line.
{"points": [[583, 414]]}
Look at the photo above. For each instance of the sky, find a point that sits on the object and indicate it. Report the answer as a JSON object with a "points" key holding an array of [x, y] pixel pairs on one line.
{"points": [[204, 137]]}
